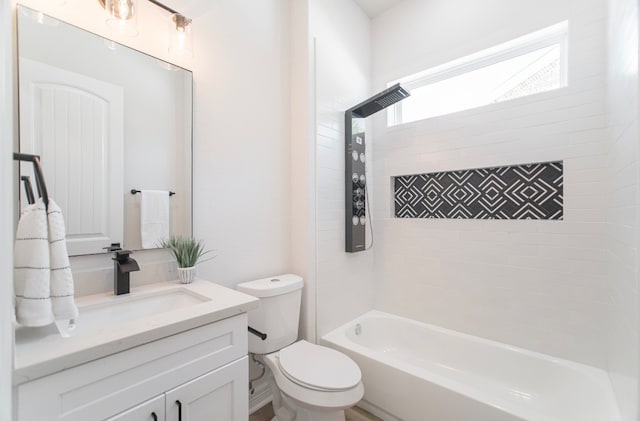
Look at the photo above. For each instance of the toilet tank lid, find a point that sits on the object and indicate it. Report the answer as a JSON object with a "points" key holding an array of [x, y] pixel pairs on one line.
{"points": [[271, 286]]}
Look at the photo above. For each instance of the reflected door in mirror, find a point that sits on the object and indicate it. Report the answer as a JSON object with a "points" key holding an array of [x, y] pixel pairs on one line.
{"points": [[75, 123]]}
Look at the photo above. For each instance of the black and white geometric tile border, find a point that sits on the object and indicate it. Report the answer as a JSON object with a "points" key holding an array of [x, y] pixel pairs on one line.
{"points": [[531, 191]]}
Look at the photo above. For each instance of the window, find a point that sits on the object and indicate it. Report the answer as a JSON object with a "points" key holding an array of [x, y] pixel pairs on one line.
{"points": [[528, 65]]}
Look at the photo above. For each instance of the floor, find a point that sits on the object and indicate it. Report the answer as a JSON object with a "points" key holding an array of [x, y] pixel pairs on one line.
{"points": [[352, 414]]}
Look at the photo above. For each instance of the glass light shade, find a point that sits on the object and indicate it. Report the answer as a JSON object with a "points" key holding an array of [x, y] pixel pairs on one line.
{"points": [[122, 15], [180, 36]]}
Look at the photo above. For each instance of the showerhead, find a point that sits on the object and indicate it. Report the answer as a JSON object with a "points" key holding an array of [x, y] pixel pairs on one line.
{"points": [[379, 101]]}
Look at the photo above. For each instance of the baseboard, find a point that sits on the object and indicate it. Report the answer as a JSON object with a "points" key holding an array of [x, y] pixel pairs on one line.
{"points": [[260, 397], [374, 410]]}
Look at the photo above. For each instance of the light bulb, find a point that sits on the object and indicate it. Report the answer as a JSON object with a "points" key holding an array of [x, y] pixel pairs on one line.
{"points": [[180, 36], [122, 15]]}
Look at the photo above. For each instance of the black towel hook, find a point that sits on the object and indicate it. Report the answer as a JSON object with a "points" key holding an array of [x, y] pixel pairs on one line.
{"points": [[40, 183]]}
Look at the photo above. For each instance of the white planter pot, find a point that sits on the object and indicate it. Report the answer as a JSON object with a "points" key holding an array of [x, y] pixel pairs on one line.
{"points": [[187, 275]]}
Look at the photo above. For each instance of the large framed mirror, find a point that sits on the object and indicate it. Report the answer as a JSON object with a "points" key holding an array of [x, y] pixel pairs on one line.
{"points": [[108, 122]]}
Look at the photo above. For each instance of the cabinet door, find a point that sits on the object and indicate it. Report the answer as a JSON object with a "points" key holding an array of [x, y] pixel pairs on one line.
{"points": [[151, 410], [220, 395]]}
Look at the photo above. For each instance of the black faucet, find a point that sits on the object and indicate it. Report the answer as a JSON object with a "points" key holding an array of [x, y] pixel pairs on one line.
{"points": [[123, 266]]}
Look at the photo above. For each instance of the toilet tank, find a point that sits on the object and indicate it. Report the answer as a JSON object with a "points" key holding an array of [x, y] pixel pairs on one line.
{"points": [[278, 314]]}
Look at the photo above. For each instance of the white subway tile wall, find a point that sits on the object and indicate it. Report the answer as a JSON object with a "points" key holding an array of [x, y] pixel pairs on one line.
{"points": [[540, 285]]}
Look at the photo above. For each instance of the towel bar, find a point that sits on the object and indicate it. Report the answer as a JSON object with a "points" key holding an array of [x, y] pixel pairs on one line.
{"points": [[134, 191], [40, 183], [31, 199]]}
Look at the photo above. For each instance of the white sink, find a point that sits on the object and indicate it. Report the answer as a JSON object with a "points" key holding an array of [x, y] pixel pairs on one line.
{"points": [[125, 308], [103, 311]]}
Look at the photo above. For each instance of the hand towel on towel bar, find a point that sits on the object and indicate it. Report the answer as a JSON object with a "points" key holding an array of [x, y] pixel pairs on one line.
{"points": [[32, 272], [154, 217], [43, 280], [64, 306]]}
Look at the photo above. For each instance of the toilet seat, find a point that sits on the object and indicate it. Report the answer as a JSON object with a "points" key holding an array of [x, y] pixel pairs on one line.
{"points": [[318, 367], [307, 397]]}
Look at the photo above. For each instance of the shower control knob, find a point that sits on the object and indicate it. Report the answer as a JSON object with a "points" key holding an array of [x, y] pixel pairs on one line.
{"points": [[362, 180], [362, 157], [354, 220], [354, 155], [363, 220], [354, 177]]}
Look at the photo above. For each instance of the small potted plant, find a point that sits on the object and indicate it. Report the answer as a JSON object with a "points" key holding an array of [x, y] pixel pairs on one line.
{"points": [[187, 251]]}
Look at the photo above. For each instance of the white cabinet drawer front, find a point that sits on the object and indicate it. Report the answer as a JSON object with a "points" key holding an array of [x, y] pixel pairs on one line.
{"points": [[105, 387]]}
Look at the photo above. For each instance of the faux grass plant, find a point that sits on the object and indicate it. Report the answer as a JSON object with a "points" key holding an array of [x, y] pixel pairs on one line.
{"points": [[187, 250]]}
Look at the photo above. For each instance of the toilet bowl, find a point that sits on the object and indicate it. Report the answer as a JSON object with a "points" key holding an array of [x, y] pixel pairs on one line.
{"points": [[308, 382], [319, 382]]}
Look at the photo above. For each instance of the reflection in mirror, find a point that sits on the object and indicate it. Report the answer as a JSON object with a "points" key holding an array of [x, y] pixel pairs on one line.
{"points": [[105, 119]]}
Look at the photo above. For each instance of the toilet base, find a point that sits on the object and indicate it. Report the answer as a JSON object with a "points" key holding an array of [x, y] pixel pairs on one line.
{"points": [[340, 417], [288, 409], [307, 414]]}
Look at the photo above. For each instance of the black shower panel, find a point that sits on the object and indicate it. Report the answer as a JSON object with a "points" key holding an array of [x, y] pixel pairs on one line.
{"points": [[355, 164], [356, 180]]}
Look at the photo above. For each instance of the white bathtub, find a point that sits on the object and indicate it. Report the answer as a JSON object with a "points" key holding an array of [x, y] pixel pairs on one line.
{"points": [[419, 372]]}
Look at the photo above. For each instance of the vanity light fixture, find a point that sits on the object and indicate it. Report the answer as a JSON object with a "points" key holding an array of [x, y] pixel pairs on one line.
{"points": [[124, 14], [180, 37]]}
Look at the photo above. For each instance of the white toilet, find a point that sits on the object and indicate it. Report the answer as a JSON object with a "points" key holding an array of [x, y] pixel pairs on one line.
{"points": [[309, 382]]}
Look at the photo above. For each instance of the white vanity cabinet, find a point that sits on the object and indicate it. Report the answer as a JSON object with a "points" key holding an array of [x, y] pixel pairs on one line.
{"points": [[197, 375]]}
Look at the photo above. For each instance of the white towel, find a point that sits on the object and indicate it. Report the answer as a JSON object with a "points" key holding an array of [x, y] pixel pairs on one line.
{"points": [[154, 217], [62, 291], [42, 275], [32, 271]]}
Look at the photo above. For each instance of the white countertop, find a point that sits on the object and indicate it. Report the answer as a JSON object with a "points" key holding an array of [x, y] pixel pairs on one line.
{"points": [[42, 351]]}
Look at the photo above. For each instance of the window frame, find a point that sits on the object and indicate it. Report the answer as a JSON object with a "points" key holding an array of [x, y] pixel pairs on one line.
{"points": [[546, 37]]}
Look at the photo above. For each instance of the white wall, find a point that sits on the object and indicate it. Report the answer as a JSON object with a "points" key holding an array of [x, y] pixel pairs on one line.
{"points": [[241, 139], [7, 116], [622, 209], [342, 67], [242, 165], [534, 284]]}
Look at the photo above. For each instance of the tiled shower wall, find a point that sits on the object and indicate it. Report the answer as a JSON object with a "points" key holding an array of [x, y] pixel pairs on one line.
{"points": [[622, 200], [535, 284]]}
